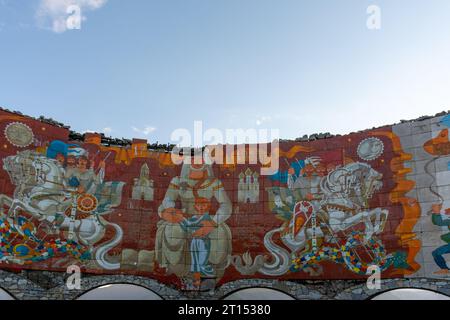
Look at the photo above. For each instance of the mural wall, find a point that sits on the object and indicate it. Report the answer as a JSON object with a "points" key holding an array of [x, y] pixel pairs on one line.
{"points": [[335, 207]]}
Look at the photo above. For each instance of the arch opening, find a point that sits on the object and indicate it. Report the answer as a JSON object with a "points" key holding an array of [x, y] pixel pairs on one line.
{"points": [[409, 294], [258, 294], [119, 291], [5, 295]]}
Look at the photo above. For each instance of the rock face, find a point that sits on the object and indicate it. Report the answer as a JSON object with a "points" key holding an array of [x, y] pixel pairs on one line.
{"points": [[337, 209]]}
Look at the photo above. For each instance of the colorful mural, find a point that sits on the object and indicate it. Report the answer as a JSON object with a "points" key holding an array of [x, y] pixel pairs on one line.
{"points": [[334, 208]]}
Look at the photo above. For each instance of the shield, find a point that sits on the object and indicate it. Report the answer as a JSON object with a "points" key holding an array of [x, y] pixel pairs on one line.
{"points": [[303, 211], [87, 203]]}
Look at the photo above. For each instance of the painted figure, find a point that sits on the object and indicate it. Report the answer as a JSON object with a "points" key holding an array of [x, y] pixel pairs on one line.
{"points": [[200, 245], [87, 178], [439, 148], [61, 158], [172, 239], [307, 179], [442, 219], [337, 203]]}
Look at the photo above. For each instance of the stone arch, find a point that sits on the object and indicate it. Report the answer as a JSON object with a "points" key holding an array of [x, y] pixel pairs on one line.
{"points": [[93, 282], [283, 287], [258, 293], [119, 291], [361, 292], [19, 287], [5, 295], [409, 294]]}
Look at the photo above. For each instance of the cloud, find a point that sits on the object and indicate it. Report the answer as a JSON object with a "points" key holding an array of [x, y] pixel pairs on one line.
{"points": [[146, 131], [53, 15], [263, 119], [106, 130]]}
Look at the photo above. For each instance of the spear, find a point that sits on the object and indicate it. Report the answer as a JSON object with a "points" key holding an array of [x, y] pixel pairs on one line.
{"points": [[104, 160]]}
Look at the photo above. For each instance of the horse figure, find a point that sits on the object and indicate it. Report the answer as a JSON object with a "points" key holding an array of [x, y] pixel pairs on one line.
{"points": [[41, 191], [343, 204]]}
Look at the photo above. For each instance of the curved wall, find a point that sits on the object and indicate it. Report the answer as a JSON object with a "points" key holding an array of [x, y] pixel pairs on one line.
{"points": [[335, 208]]}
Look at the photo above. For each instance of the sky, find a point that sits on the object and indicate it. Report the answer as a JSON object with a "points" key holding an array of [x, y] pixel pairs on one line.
{"points": [[144, 68]]}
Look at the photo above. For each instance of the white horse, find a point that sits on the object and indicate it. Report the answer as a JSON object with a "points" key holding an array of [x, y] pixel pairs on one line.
{"points": [[345, 192], [41, 192]]}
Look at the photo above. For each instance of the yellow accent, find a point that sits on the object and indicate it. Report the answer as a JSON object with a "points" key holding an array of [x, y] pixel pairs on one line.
{"points": [[174, 186], [219, 186], [208, 183], [410, 206]]}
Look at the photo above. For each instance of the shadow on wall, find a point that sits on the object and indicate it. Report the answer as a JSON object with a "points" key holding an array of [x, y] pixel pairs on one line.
{"points": [[258, 294], [410, 294], [120, 291]]}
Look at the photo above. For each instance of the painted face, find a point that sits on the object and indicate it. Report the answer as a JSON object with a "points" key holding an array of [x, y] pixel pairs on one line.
{"points": [[202, 205], [82, 163], [71, 161], [278, 201], [308, 170], [202, 208], [198, 171], [60, 158]]}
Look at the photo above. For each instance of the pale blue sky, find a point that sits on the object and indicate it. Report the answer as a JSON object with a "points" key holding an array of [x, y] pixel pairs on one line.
{"points": [[299, 66]]}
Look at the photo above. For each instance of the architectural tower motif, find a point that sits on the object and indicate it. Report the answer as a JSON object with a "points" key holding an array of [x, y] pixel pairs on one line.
{"points": [[248, 187], [143, 186]]}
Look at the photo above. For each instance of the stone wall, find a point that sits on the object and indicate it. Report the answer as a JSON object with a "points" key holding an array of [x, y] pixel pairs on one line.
{"points": [[42, 285]]}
